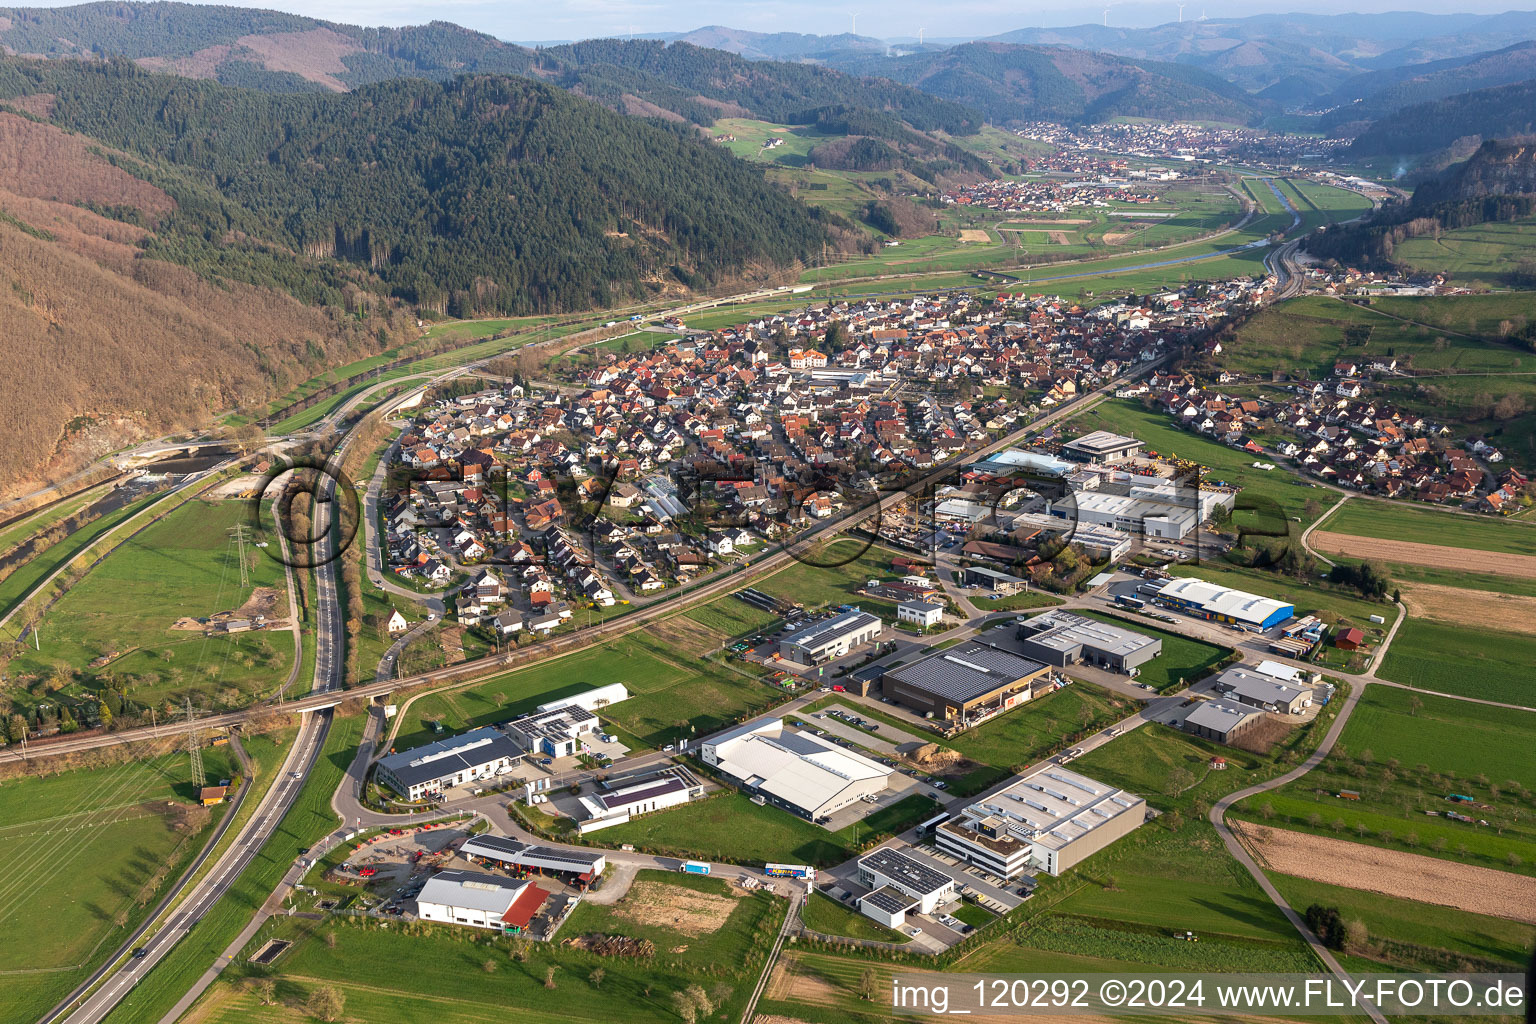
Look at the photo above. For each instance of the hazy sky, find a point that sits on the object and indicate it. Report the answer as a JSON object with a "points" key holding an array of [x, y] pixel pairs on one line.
{"points": [[521, 20]]}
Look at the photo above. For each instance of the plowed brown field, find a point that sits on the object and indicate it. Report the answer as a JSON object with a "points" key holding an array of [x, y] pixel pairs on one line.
{"points": [[1408, 876], [1413, 553]]}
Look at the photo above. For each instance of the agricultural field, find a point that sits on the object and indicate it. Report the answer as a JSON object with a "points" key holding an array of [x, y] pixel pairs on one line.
{"points": [[1395, 520], [1403, 752], [19, 584], [90, 850], [1406, 934], [148, 636], [1450, 658], [1483, 255]]}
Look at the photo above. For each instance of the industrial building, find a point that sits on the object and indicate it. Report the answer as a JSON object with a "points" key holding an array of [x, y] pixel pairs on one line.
{"points": [[579, 866], [798, 771], [1102, 543], [479, 901], [1161, 510], [592, 700], [1219, 720], [618, 801], [1002, 582], [1263, 691], [827, 639], [1101, 446], [1014, 462], [967, 681], [555, 733], [1222, 604], [428, 770], [1049, 821], [1061, 638], [920, 613], [901, 885]]}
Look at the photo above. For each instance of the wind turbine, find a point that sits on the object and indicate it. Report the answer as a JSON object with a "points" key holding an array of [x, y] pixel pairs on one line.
{"points": [[1106, 17], [1181, 14], [855, 18]]}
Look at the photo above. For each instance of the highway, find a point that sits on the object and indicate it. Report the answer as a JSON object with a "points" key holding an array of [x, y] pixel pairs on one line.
{"points": [[118, 981]]}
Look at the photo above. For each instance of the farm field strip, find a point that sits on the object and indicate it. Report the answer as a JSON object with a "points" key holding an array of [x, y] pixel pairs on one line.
{"points": [[1409, 876], [1498, 563], [1513, 613]]}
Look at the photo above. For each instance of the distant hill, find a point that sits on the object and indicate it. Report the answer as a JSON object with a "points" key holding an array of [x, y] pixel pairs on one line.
{"points": [[1374, 95], [1500, 112], [1011, 84], [776, 45]]}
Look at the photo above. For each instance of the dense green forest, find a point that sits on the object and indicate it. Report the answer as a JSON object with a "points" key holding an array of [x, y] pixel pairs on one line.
{"points": [[1427, 127], [783, 92], [484, 194], [1009, 83]]}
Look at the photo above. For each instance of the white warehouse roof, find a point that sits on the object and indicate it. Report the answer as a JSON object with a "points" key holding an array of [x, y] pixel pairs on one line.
{"points": [[1217, 600]]}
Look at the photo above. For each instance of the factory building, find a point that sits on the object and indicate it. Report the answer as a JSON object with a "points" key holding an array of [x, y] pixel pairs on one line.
{"points": [[1101, 446], [1162, 511], [966, 681], [1049, 821], [798, 771], [1219, 720], [428, 770], [1061, 638], [554, 733], [1101, 543], [618, 801], [1263, 691], [592, 700], [827, 639], [1222, 604], [479, 901], [900, 886]]}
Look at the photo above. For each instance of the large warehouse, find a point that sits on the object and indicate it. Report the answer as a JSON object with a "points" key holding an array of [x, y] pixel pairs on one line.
{"points": [[1049, 821], [1220, 720], [797, 771], [479, 901], [830, 638], [428, 770], [1223, 604], [1061, 638], [967, 680]]}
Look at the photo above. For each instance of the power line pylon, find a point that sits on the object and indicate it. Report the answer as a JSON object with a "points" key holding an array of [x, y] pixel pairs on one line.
{"points": [[195, 750], [240, 535]]}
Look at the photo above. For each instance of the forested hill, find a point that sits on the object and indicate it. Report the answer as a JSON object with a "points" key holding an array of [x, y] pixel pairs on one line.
{"points": [[253, 48], [1010, 84], [773, 91], [487, 194], [1429, 127]]}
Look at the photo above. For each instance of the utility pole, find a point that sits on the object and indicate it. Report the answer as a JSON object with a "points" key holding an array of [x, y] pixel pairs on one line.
{"points": [[195, 750]]}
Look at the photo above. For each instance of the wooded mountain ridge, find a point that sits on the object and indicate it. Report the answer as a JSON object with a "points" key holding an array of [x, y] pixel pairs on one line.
{"points": [[176, 247]]}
